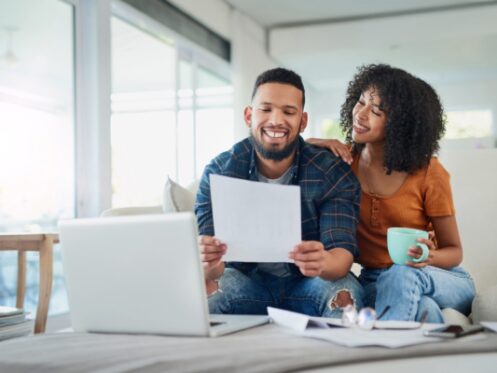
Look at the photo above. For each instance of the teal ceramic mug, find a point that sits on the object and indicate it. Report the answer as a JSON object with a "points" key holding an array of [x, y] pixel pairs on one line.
{"points": [[399, 240]]}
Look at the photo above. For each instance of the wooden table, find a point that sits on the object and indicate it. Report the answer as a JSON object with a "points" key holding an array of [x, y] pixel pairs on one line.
{"points": [[43, 243]]}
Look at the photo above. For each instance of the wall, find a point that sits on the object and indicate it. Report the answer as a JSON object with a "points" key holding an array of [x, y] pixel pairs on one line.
{"points": [[465, 94], [471, 94], [475, 201], [449, 49]]}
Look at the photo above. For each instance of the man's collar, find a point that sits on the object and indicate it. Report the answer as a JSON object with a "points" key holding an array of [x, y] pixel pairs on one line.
{"points": [[295, 164]]}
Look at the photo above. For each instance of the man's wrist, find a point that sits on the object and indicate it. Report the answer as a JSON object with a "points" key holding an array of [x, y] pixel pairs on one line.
{"points": [[215, 273], [338, 262]]}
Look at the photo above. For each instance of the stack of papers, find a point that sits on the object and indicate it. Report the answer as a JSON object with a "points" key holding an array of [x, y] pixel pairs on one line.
{"points": [[13, 323], [391, 334]]}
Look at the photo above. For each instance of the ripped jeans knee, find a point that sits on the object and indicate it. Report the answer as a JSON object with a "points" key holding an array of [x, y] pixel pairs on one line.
{"points": [[344, 292], [342, 299]]}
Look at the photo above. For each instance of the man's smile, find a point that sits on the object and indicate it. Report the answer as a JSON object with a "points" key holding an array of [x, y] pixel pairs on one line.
{"points": [[275, 134]]}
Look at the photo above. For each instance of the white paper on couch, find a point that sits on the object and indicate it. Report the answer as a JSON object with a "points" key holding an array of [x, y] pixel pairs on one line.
{"points": [[332, 330], [490, 325], [300, 322], [258, 222]]}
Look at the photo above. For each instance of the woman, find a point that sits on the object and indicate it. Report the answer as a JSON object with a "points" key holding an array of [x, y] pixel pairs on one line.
{"points": [[393, 122]]}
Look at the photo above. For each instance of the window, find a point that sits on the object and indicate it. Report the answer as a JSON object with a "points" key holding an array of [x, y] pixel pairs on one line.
{"points": [[205, 119], [469, 124], [36, 133], [214, 118], [186, 125], [143, 122], [164, 104], [330, 129], [171, 114]]}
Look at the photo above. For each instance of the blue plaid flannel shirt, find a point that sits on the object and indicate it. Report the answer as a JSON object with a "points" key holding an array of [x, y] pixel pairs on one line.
{"points": [[330, 195]]}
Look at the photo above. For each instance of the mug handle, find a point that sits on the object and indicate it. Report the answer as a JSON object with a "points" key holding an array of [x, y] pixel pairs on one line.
{"points": [[423, 256]]}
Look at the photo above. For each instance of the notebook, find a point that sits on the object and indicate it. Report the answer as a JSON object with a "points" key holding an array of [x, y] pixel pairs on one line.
{"points": [[140, 274]]}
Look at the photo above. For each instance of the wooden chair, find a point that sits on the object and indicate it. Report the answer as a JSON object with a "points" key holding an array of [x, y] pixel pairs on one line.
{"points": [[43, 243]]}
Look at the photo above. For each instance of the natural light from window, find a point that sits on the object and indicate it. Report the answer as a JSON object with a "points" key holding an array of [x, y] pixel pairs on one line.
{"points": [[37, 171], [170, 116], [469, 124]]}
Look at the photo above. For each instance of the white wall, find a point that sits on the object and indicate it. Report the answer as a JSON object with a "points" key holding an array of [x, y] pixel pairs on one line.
{"points": [[465, 94], [470, 94], [443, 45], [453, 50]]}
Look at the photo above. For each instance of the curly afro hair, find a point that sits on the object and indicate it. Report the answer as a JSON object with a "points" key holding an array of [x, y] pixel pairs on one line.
{"points": [[415, 120]]}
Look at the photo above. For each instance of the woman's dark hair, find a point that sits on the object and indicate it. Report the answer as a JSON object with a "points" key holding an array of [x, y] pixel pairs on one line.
{"points": [[415, 120]]}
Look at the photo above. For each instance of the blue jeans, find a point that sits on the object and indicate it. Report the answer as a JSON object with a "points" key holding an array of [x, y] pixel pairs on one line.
{"points": [[410, 291], [241, 293]]}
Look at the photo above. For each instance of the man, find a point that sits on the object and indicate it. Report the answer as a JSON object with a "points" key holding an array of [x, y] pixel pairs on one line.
{"points": [[319, 282]]}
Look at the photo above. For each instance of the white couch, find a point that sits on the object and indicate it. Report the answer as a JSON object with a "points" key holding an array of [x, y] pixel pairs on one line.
{"points": [[474, 185]]}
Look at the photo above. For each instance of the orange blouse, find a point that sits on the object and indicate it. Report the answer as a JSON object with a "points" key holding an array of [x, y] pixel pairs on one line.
{"points": [[424, 194]]}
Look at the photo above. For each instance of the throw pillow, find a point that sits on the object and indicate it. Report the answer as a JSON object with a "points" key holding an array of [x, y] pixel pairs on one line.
{"points": [[176, 198]]}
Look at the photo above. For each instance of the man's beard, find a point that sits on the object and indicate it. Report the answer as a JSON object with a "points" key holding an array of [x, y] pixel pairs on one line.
{"points": [[274, 155]]}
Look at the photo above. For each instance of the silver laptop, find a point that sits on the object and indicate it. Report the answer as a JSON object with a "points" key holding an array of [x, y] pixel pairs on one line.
{"points": [[140, 274]]}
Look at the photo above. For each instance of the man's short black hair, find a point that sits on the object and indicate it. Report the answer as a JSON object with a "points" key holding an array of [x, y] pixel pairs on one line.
{"points": [[280, 75]]}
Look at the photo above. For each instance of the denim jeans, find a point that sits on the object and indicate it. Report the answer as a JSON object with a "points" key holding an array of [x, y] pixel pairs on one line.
{"points": [[410, 291], [241, 293]]}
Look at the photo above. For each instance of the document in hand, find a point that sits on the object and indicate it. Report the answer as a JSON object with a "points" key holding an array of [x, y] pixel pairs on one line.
{"points": [[259, 222], [332, 330]]}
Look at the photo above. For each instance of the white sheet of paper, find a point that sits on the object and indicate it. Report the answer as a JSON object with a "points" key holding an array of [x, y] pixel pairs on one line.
{"points": [[259, 222], [356, 337], [492, 325], [295, 321], [394, 324], [322, 328]]}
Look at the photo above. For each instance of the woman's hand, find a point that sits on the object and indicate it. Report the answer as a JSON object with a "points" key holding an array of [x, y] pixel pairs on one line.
{"points": [[336, 147], [416, 252]]}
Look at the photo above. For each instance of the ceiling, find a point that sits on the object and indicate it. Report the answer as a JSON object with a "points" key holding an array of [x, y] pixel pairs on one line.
{"points": [[275, 13], [317, 38], [325, 40]]}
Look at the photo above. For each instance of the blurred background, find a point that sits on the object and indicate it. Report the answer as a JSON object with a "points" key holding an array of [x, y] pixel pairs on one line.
{"points": [[101, 100]]}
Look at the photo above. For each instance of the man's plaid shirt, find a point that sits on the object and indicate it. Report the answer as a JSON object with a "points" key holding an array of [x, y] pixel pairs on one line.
{"points": [[330, 194]]}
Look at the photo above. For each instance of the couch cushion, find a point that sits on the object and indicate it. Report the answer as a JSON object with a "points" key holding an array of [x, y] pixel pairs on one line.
{"points": [[138, 210], [177, 198], [485, 305]]}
